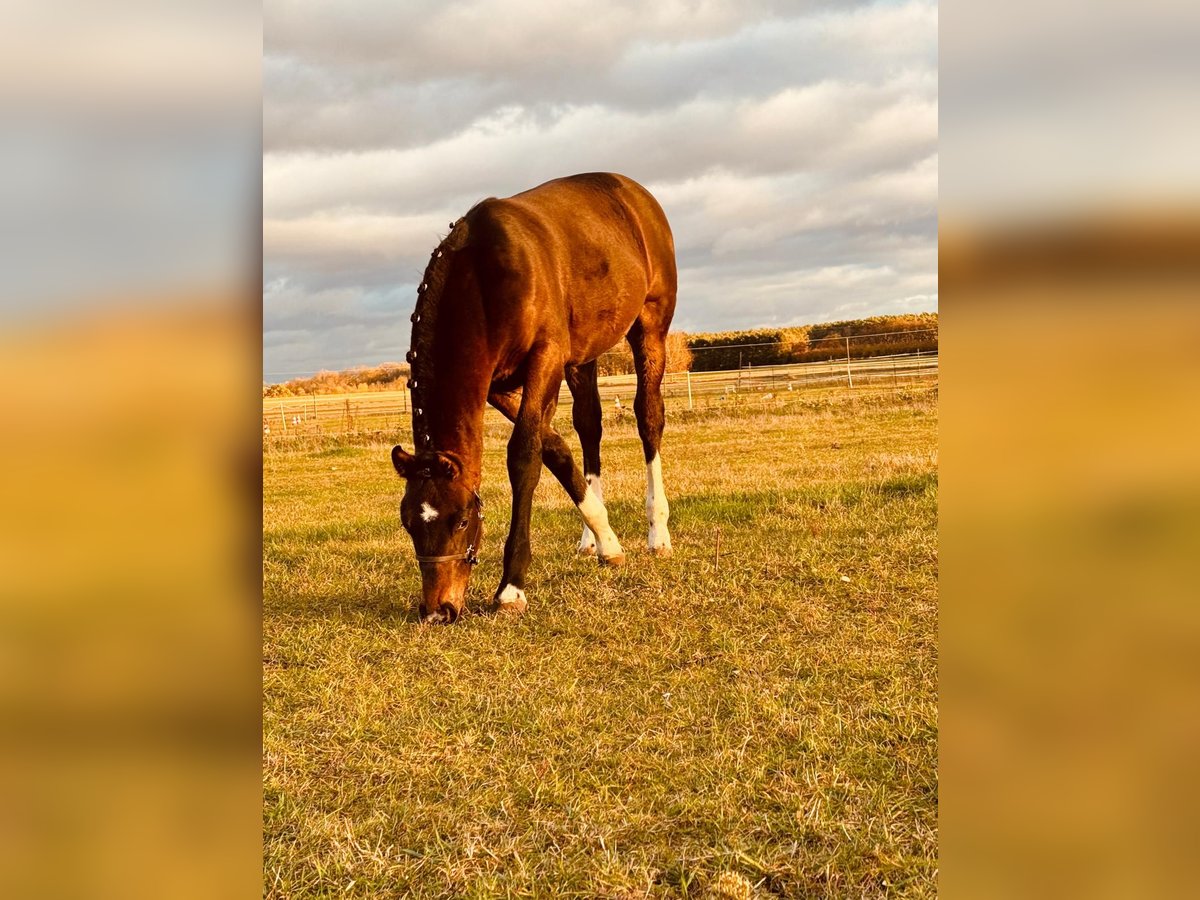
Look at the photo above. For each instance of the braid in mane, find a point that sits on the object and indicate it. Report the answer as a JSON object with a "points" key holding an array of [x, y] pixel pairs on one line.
{"points": [[424, 319]]}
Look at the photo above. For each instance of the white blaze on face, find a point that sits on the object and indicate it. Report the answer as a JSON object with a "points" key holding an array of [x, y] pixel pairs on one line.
{"points": [[587, 543], [657, 508], [428, 513], [595, 518]]}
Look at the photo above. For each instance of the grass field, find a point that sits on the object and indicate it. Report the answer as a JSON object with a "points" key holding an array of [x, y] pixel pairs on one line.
{"points": [[760, 721]]}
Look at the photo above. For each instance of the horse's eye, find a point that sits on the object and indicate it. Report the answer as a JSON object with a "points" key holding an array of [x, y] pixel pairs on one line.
{"points": [[462, 524]]}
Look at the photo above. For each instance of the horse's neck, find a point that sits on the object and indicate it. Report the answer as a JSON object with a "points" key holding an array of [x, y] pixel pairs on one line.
{"points": [[450, 366], [455, 423]]}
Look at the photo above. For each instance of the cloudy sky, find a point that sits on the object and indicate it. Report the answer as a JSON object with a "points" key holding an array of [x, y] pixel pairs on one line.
{"points": [[793, 146]]}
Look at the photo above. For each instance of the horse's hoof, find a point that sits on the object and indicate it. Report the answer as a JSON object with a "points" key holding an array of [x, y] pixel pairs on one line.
{"points": [[511, 601], [662, 552], [614, 561], [512, 607], [589, 550]]}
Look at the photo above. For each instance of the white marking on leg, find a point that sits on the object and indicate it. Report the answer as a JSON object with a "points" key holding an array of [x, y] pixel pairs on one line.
{"points": [[511, 594], [587, 543], [428, 513], [595, 517], [658, 511]]}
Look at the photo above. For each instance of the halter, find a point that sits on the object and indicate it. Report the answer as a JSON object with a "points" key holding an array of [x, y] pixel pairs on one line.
{"points": [[469, 555]]}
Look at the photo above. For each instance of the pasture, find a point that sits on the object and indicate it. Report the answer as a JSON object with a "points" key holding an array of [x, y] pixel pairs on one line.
{"points": [[285, 418], [754, 716]]}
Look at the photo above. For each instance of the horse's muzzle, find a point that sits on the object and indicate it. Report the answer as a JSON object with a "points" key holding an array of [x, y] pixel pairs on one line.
{"points": [[443, 614]]}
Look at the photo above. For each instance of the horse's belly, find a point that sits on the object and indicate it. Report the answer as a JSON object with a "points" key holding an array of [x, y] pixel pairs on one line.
{"points": [[600, 317]]}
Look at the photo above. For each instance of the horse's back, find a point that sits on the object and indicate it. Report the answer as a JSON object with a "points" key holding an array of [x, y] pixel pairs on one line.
{"points": [[610, 212], [576, 258]]}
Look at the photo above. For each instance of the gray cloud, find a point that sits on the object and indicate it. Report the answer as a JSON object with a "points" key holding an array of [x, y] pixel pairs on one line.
{"points": [[793, 146]]}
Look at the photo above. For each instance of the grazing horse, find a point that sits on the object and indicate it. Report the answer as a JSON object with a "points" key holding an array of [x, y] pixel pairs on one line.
{"points": [[521, 293]]}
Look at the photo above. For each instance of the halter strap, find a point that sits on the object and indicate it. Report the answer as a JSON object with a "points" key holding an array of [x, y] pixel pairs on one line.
{"points": [[470, 555]]}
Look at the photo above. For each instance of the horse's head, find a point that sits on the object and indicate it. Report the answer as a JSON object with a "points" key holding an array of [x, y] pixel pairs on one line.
{"points": [[444, 517]]}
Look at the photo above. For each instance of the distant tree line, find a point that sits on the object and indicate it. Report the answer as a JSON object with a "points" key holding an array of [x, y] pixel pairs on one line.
{"points": [[383, 377], [874, 336], [619, 360], [708, 352], [716, 351]]}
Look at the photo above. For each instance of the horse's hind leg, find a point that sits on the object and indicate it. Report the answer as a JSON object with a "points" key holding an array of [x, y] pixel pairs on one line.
{"points": [[648, 340], [586, 416], [557, 457]]}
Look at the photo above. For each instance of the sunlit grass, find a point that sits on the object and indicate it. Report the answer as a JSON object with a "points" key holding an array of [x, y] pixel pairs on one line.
{"points": [[760, 719]]}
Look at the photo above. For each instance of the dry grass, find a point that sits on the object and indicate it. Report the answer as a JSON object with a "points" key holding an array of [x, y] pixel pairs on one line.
{"points": [[764, 724]]}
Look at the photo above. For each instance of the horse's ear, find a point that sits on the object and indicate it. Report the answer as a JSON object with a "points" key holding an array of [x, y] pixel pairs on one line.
{"points": [[401, 460], [448, 466]]}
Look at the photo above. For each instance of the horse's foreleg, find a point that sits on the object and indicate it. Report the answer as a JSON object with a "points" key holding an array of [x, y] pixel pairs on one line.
{"points": [[586, 416], [585, 495], [538, 401], [583, 491]]}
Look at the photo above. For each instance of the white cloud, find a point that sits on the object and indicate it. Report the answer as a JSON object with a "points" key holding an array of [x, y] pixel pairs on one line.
{"points": [[793, 148]]}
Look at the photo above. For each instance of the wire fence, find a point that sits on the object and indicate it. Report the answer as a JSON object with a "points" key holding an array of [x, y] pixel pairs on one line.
{"points": [[372, 412], [705, 356], [779, 352]]}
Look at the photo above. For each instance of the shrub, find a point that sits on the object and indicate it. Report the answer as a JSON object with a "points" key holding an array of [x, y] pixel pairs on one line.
{"points": [[383, 377]]}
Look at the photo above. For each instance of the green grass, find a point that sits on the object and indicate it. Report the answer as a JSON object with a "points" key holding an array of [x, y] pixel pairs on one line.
{"points": [[748, 724]]}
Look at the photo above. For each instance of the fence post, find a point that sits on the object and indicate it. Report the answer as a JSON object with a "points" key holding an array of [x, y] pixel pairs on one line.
{"points": [[282, 418], [689, 381], [849, 377]]}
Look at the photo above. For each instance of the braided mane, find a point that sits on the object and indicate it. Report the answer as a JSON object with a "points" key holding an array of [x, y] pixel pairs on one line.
{"points": [[424, 330]]}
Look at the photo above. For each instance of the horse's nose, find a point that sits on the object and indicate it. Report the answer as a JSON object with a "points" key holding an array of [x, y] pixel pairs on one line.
{"points": [[445, 614]]}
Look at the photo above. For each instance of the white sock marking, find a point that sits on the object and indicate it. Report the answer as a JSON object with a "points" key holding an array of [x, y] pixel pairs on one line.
{"points": [[588, 540], [428, 513], [658, 511], [595, 517], [512, 594]]}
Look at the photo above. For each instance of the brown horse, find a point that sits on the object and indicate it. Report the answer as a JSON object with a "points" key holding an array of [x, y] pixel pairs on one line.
{"points": [[521, 293]]}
